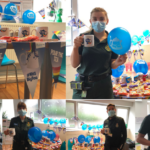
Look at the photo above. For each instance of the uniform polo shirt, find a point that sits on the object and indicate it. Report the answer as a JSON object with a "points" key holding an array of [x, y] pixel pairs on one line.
{"points": [[95, 60], [145, 127], [21, 128]]}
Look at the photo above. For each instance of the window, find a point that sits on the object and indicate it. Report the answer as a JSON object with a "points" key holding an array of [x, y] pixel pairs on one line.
{"points": [[55, 109], [70, 113], [91, 114]]}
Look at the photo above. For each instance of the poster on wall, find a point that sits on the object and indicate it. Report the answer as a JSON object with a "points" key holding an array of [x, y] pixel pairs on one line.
{"points": [[56, 53], [30, 56], [3, 46]]}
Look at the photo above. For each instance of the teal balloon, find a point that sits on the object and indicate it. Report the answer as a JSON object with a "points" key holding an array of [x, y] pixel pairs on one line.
{"points": [[56, 120], [146, 32], [45, 120], [88, 139], [140, 66], [97, 139], [35, 134], [10, 9], [51, 121], [84, 127], [119, 40], [98, 126], [81, 138], [142, 39], [134, 39], [29, 17], [89, 128], [101, 126], [1, 9], [118, 71], [94, 126], [62, 121]]}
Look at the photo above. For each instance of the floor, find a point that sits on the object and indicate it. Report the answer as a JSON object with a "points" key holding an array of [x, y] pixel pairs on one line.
{"points": [[11, 91]]}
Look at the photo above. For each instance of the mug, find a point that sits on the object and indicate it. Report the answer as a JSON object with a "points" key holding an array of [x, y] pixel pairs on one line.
{"points": [[32, 60], [123, 78], [23, 32], [41, 32], [12, 132], [148, 75], [88, 40], [5, 32], [106, 130], [116, 80]]}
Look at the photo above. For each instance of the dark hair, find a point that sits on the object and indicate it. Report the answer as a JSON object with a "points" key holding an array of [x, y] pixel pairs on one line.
{"points": [[110, 105], [98, 9], [21, 105]]}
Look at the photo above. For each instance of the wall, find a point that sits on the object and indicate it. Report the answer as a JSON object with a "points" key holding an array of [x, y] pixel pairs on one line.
{"points": [[131, 123]]}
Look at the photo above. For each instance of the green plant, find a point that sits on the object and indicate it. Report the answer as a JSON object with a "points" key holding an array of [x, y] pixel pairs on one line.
{"points": [[4, 115]]}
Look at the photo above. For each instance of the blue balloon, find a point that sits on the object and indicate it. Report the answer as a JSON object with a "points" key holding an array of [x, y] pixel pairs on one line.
{"points": [[97, 139], [118, 71], [29, 17], [134, 39], [45, 133], [88, 139], [84, 127], [1, 9], [45, 120], [146, 32], [142, 39], [62, 121], [51, 135], [98, 126], [51, 121], [140, 66], [10, 9], [81, 138], [119, 40], [35, 134], [89, 128]]}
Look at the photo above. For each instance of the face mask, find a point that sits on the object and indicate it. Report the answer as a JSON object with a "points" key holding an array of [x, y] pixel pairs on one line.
{"points": [[99, 26], [22, 112], [111, 113]]}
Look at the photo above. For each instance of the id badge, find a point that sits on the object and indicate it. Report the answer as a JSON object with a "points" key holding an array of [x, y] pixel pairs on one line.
{"points": [[84, 94]]}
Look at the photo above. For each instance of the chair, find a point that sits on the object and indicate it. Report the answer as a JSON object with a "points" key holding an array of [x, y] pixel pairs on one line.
{"points": [[8, 62]]}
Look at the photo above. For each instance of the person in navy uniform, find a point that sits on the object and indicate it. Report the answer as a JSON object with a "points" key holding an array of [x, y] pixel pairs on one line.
{"points": [[114, 130], [22, 124]]}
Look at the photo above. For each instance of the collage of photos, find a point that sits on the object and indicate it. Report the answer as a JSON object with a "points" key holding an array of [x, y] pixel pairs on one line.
{"points": [[74, 75]]}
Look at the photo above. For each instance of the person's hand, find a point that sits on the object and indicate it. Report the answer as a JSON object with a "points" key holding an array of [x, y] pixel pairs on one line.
{"points": [[102, 131], [6, 132], [78, 41], [121, 59]]}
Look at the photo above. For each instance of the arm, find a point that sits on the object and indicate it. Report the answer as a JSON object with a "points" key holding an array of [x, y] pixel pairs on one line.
{"points": [[119, 61], [140, 139], [124, 133], [75, 56]]}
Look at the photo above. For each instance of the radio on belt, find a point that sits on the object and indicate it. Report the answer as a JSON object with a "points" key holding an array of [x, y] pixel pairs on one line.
{"points": [[77, 85]]}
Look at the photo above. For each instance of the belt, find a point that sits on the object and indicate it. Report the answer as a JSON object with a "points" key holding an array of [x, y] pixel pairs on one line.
{"points": [[22, 142], [93, 78]]}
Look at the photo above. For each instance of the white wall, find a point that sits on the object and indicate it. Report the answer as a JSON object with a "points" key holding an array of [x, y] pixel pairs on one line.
{"points": [[131, 123]]}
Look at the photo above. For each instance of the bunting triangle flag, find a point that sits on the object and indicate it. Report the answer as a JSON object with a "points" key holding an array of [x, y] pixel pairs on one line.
{"points": [[72, 23], [42, 13], [1, 16], [56, 53], [52, 4], [16, 18], [30, 56], [80, 23], [3, 46]]}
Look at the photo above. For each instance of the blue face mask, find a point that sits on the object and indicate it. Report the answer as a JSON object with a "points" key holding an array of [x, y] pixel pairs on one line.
{"points": [[111, 113], [22, 112], [98, 26]]}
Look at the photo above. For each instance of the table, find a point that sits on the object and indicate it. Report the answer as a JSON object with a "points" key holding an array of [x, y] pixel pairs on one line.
{"points": [[46, 88]]}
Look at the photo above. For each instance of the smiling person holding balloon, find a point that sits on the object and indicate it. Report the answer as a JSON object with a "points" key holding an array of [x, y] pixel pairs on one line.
{"points": [[97, 61], [114, 130], [22, 124]]}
